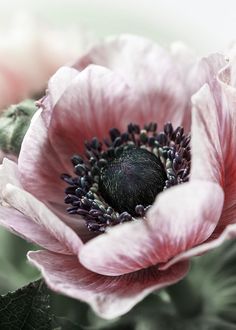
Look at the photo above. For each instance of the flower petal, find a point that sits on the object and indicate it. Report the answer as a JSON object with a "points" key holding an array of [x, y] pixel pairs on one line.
{"points": [[24, 227], [59, 82], [147, 68], [227, 234], [39, 165], [181, 217], [109, 296], [8, 174], [94, 102], [37, 212], [227, 109], [207, 138], [57, 85], [214, 143], [166, 80], [74, 221], [23, 224]]}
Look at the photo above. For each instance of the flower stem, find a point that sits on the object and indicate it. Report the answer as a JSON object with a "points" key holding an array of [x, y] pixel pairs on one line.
{"points": [[186, 299]]}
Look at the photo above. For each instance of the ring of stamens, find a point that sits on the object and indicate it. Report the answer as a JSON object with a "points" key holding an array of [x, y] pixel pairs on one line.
{"points": [[171, 147]]}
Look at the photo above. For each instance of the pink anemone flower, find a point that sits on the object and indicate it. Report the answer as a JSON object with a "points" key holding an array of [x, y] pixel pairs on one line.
{"points": [[111, 139]]}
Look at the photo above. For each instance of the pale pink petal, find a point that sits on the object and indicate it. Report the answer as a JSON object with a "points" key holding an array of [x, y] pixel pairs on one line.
{"points": [[166, 80], [214, 144], [195, 72], [39, 165], [147, 68], [74, 221], [95, 101], [227, 234], [109, 296], [8, 174], [181, 218], [59, 82], [23, 226], [38, 212], [204, 71], [207, 138], [227, 80]]}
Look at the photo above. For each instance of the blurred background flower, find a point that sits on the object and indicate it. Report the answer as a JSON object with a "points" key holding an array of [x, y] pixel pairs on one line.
{"points": [[31, 50]]}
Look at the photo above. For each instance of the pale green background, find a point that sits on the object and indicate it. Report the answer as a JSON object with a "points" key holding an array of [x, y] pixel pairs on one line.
{"points": [[206, 26]]}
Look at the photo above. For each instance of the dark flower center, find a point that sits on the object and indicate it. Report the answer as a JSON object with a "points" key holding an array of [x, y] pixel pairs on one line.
{"points": [[118, 180], [134, 177]]}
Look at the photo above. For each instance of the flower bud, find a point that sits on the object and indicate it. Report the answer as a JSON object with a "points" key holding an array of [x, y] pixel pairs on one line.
{"points": [[14, 123]]}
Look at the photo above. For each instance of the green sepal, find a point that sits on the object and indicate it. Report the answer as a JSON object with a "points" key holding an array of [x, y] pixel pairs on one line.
{"points": [[14, 123]]}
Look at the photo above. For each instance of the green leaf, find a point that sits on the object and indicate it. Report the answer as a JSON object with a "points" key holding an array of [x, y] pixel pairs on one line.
{"points": [[26, 309]]}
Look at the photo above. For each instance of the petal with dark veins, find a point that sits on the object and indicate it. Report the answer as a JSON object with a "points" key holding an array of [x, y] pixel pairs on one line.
{"points": [[38, 212], [109, 296]]}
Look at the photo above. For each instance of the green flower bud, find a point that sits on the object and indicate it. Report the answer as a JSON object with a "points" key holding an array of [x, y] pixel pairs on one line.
{"points": [[14, 123]]}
